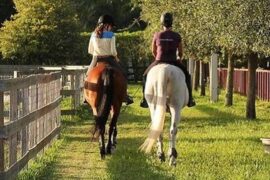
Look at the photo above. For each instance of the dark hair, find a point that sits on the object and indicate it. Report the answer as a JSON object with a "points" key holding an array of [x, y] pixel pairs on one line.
{"points": [[166, 19], [103, 22], [106, 19], [99, 30]]}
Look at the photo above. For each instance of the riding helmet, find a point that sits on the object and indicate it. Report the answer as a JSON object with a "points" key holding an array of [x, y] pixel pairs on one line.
{"points": [[106, 19], [166, 19]]}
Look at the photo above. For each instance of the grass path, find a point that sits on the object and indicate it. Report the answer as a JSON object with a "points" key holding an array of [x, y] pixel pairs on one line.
{"points": [[214, 142], [73, 161]]}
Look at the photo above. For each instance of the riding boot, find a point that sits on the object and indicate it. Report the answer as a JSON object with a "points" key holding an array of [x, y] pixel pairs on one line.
{"points": [[143, 103], [191, 101], [128, 100]]}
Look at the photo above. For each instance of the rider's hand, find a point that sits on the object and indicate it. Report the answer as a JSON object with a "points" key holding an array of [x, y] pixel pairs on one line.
{"points": [[117, 59]]}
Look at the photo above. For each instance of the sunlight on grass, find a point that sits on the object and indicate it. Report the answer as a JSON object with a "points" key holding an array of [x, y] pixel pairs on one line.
{"points": [[214, 142]]}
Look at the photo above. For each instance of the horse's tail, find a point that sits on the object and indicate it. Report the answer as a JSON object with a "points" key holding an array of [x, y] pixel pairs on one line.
{"points": [[159, 113], [105, 101]]}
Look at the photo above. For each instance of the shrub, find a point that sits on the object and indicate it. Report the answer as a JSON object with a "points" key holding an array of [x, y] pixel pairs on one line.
{"points": [[43, 32]]}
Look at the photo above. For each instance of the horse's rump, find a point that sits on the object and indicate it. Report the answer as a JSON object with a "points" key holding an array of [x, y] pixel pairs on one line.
{"points": [[165, 85], [94, 84], [104, 88]]}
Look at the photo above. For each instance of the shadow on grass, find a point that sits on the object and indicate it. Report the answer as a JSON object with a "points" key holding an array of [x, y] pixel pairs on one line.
{"points": [[215, 118], [128, 163], [221, 140]]}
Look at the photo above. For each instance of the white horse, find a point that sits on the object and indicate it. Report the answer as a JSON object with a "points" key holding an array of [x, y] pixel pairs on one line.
{"points": [[165, 86]]}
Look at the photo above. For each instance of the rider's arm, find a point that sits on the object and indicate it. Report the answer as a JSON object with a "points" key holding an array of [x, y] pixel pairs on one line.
{"points": [[113, 49], [154, 46], [180, 51], [117, 58]]}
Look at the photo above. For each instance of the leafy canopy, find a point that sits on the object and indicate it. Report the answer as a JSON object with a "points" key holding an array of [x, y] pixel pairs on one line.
{"points": [[42, 32]]}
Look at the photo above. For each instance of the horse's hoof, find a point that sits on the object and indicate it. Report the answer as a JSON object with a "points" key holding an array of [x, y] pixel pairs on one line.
{"points": [[161, 157], [113, 148], [109, 151], [102, 156], [172, 161], [114, 142]]}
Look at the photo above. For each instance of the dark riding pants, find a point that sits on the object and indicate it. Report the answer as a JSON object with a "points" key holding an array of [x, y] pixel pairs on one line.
{"points": [[175, 63]]}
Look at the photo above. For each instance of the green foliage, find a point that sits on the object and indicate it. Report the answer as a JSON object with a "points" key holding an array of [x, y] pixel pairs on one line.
{"points": [[133, 51], [243, 26], [42, 164], [205, 25], [130, 46], [84, 58], [43, 32], [123, 11]]}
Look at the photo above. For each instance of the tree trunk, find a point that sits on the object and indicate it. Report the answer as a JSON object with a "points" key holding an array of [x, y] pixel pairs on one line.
{"points": [[196, 75], [229, 82], [202, 78], [191, 69], [251, 91]]}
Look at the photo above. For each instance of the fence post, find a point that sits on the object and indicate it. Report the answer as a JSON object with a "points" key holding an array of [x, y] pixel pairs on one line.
{"points": [[25, 134], [2, 154], [13, 117], [72, 87], [15, 74], [214, 78], [77, 90]]}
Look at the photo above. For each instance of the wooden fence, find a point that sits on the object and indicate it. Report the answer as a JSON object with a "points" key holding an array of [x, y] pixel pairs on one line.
{"points": [[241, 82], [72, 79], [29, 119]]}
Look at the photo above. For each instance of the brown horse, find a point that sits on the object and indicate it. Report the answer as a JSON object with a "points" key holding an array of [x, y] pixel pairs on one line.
{"points": [[105, 89]]}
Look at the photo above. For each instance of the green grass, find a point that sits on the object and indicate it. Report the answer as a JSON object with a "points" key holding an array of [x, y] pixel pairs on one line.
{"points": [[213, 142]]}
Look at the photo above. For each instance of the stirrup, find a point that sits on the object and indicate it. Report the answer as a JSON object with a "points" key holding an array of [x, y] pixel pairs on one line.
{"points": [[129, 100], [144, 104]]}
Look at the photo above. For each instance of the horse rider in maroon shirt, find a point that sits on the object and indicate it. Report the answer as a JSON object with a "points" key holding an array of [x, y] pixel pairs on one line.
{"points": [[166, 45]]}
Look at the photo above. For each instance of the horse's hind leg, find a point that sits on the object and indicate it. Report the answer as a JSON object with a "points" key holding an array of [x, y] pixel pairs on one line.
{"points": [[102, 142], [160, 152], [175, 118], [112, 132], [110, 139]]}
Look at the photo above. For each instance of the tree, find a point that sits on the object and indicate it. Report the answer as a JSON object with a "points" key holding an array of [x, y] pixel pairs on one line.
{"points": [[245, 31], [229, 82], [7, 8], [42, 32], [240, 27], [123, 11]]}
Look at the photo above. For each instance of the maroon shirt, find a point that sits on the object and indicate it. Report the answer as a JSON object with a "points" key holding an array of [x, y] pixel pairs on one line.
{"points": [[167, 43]]}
